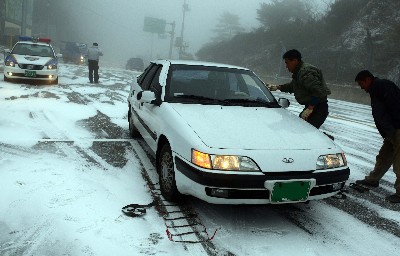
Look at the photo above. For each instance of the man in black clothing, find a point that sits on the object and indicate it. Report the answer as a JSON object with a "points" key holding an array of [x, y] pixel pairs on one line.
{"points": [[385, 104]]}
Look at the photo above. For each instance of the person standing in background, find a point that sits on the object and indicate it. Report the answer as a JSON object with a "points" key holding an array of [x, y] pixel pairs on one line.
{"points": [[93, 55]]}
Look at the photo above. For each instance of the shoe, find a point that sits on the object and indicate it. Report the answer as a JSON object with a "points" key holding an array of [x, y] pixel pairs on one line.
{"points": [[394, 199], [368, 183]]}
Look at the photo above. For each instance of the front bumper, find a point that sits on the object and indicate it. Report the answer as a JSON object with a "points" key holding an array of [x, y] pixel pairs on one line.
{"points": [[250, 188], [18, 73]]}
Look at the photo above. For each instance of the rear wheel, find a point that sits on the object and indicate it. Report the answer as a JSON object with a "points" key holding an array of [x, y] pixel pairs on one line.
{"points": [[133, 131], [167, 174]]}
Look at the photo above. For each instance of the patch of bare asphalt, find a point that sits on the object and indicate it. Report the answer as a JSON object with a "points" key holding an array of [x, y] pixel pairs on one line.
{"points": [[41, 94], [114, 153], [101, 126], [76, 97]]}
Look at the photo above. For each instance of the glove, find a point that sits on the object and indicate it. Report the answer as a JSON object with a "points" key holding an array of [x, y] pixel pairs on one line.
{"points": [[306, 113], [272, 87]]}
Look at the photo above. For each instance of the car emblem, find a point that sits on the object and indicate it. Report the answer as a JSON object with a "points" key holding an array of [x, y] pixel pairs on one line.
{"points": [[30, 66], [31, 58], [288, 160]]}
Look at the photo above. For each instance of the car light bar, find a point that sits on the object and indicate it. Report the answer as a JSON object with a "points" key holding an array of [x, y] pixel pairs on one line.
{"points": [[35, 39], [44, 40], [25, 38]]}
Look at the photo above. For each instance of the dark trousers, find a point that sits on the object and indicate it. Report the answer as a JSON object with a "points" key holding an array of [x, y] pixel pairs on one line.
{"points": [[388, 155], [319, 114], [93, 71]]}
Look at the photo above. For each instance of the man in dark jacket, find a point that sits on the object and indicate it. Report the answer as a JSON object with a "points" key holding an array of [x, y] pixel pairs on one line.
{"points": [[309, 88], [385, 104]]}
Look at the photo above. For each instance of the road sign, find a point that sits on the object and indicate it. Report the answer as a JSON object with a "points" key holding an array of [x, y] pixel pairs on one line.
{"points": [[154, 25]]}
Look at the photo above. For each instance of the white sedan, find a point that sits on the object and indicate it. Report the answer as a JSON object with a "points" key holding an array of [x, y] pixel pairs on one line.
{"points": [[219, 134], [31, 59]]}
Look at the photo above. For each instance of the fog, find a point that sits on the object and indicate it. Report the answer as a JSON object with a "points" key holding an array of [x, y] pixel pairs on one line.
{"points": [[117, 25]]}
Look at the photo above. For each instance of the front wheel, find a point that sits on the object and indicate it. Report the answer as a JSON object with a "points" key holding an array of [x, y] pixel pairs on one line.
{"points": [[167, 175]]}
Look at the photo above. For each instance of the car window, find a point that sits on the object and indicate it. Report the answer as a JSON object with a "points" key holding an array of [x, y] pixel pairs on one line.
{"points": [[215, 83], [155, 83], [147, 75], [33, 49]]}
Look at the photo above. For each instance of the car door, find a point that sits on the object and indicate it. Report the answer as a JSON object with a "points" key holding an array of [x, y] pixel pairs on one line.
{"points": [[148, 113], [135, 105]]}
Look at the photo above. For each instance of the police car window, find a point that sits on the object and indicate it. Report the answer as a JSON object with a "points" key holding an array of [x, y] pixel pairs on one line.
{"points": [[148, 78]]}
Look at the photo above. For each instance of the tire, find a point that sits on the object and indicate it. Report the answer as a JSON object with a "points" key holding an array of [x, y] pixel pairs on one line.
{"points": [[166, 174], [6, 79], [133, 131]]}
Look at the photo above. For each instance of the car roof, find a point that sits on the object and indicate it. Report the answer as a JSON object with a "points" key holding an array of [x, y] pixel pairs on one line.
{"points": [[197, 63]]}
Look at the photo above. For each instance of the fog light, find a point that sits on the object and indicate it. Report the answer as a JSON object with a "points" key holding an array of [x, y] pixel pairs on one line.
{"points": [[51, 76], [10, 73], [337, 186], [217, 192]]}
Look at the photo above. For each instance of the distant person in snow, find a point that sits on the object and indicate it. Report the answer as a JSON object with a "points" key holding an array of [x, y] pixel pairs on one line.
{"points": [[309, 88], [385, 104], [93, 54]]}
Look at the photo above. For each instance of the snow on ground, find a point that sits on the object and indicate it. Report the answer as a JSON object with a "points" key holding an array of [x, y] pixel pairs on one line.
{"points": [[59, 197]]}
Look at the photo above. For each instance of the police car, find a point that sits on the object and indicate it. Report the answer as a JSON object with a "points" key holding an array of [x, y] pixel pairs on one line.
{"points": [[31, 59]]}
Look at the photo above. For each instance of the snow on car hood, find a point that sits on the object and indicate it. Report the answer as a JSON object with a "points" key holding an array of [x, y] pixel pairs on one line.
{"points": [[34, 60], [252, 128]]}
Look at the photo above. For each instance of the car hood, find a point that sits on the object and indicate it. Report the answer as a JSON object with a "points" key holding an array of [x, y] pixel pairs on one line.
{"points": [[251, 128], [34, 60]]}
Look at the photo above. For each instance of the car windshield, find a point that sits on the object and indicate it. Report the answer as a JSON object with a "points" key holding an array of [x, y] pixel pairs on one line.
{"points": [[216, 85], [33, 50]]}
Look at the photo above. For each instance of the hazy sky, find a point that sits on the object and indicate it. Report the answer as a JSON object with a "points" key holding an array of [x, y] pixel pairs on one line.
{"points": [[117, 25]]}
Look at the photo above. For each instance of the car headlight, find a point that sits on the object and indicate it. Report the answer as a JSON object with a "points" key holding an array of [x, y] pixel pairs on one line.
{"points": [[223, 162], [10, 62], [331, 161], [52, 66]]}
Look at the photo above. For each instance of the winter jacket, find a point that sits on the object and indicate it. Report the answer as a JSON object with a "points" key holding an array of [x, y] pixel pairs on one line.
{"points": [[93, 53], [308, 85], [385, 104]]}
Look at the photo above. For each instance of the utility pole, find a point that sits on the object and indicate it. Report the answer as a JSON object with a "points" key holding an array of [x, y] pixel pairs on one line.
{"points": [[172, 38], [185, 8], [23, 20]]}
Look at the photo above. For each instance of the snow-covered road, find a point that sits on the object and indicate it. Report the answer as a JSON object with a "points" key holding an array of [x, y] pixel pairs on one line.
{"points": [[68, 166]]}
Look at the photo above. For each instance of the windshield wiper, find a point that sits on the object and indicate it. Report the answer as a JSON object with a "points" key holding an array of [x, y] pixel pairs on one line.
{"points": [[195, 97], [259, 102]]}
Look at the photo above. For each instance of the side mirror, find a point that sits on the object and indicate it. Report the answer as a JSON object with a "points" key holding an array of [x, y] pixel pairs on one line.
{"points": [[283, 102], [59, 55], [146, 97]]}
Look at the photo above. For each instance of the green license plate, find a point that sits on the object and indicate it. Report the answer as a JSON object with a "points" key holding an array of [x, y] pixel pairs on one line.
{"points": [[30, 73], [290, 191]]}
